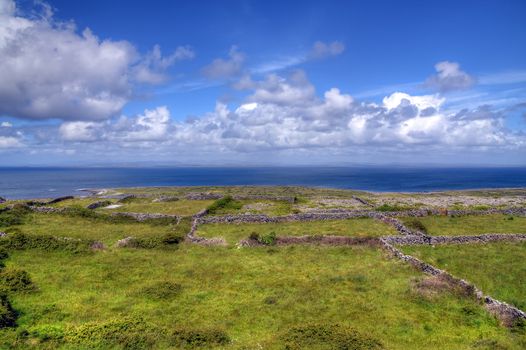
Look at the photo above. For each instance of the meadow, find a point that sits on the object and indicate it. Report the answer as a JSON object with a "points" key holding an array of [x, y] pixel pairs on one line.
{"points": [[498, 269], [67, 282], [471, 225]]}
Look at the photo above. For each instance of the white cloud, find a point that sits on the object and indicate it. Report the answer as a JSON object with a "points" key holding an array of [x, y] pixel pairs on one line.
{"points": [[80, 131], [449, 77], [225, 68], [6, 125], [323, 50], [152, 67], [9, 142], [49, 70]]}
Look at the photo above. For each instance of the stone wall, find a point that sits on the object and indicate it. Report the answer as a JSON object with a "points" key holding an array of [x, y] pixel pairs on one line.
{"points": [[146, 216], [506, 313], [432, 240]]}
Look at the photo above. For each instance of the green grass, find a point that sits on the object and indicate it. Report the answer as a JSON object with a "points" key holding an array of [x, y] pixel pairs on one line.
{"points": [[360, 227], [146, 205], [259, 297], [86, 228], [499, 269], [472, 225]]}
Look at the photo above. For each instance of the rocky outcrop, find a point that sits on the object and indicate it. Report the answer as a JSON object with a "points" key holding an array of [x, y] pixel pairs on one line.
{"points": [[363, 201], [266, 197], [47, 210], [166, 199], [59, 199], [202, 196], [128, 242], [98, 204]]}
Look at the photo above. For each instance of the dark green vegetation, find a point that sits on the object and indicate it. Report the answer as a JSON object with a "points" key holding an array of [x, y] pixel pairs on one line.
{"points": [[360, 227], [223, 205], [499, 269], [470, 225]]}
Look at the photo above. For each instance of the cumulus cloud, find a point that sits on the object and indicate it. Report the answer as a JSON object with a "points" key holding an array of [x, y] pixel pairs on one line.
{"points": [[152, 67], [49, 70], [449, 77], [80, 131], [225, 68], [285, 113], [9, 142], [152, 125], [323, 50]]}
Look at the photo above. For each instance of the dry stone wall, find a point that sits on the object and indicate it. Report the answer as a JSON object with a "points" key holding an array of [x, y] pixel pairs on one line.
{"points": [[506, 313], [486, 238]]}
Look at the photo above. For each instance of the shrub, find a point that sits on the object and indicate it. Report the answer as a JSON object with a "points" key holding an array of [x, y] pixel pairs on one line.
{"points": [[268, 239], [254, 236], [190, 338], [3, 254], [14, 216], [125, 333], [389, 207], [15, 280], [47, 332], [416, 224], [7, 313], [331, 336], [226, 202], [162, 290], [21, 241]]}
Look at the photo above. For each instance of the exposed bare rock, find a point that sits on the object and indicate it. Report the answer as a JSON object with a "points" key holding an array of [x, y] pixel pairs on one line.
{"points": [[98, 204], [202, 196], [59, 199], [96, 245], [127, 242]]}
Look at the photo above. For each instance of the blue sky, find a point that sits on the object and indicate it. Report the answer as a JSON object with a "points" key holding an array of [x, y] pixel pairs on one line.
{"points": [[262, 82]]}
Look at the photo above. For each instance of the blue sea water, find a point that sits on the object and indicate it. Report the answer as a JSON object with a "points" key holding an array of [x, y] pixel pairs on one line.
{"points": [[20, 183]]}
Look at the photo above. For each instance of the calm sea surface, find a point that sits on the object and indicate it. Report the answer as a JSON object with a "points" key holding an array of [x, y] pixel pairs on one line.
{"points": [[16, 183]]}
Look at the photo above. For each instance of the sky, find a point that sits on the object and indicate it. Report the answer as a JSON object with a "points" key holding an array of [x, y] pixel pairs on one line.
{"points": [[252, 82]]}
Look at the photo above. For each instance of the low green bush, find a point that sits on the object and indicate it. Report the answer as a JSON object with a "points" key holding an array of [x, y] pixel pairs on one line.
{"points": [[22, 241], [226, 202], [331, 336], [7, 313], [14, 216], [268, 239], [125, 333], [47, 332], [416, 224], [162, 290], [13, 279], [206, 338], [390, 207]]}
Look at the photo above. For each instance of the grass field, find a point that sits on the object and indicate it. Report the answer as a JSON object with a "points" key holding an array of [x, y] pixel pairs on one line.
{"points": [[260, 298], [472, 225], [499, 269], [360, 227], [146, 205], [76, 227]]}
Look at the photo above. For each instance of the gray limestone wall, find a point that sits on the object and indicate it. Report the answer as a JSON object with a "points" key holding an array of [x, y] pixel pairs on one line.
{"points": [[506, 313]]}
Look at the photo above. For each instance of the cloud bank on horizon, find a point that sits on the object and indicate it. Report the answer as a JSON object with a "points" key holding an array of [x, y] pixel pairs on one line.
{"points": [[63, 92]]}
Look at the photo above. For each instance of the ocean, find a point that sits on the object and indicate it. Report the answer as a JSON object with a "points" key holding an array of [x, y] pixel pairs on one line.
{"points": [[24, 183]]}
